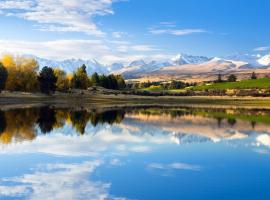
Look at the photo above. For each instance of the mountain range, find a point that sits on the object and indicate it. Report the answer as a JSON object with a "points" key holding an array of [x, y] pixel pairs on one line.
{"points": [[181, 65]]}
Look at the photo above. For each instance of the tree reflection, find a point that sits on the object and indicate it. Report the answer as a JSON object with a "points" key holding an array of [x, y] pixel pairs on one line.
{"points": [[110, 117], [79, 120], [253, 124], [231, 121], [3, 123], [47, 119], [20, 125]]}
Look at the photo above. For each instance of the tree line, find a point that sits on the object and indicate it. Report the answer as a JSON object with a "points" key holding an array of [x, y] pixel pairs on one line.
{"points": [[233, 78], [172, 85], [21, 74]]}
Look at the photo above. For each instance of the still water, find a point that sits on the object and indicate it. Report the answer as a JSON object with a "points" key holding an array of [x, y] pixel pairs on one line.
{"points": [[134, 153]]}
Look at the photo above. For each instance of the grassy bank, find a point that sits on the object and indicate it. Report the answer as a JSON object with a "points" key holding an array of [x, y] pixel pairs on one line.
{"points": [[262, 83]]}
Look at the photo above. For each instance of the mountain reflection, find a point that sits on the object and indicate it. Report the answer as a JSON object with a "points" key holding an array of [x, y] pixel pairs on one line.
{"points": [[24, 124]]}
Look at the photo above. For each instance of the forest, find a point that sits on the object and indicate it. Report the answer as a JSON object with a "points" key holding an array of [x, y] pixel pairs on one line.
{"points": [[19, 73]]}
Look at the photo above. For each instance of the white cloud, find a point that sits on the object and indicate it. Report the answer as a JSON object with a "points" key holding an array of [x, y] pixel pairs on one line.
{"points": [[265, 48], [168, 24], [104, 51], [11, 4], [174, 166], [143, 48], [171, 29], [58, 49], [118, 35], [176, 32], [60, 15]]}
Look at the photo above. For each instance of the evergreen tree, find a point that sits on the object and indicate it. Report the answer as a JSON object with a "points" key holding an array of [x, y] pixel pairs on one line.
{"points": [[253, 75], [95, 79], [232, 78], [176, 85], [47, 80], [3, 77], [103, 81], [219, 78], [112, 82]]}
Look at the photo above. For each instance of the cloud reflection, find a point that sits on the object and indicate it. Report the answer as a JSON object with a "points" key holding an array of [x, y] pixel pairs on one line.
{"points": [[58, 181]]}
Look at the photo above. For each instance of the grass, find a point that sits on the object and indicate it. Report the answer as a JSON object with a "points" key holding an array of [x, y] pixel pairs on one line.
{"points": [[262, 83], [159, 88]]}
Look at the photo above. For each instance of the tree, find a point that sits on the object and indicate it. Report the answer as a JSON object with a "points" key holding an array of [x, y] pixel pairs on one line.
{"points": [[112, 82], [103, 81], [253, 75], [219, 78], [80, 78], [95, 79], [121, 84], [232, 78], [47, 80], [176, 85], [3, 77], [63, 83], [22, 73]]}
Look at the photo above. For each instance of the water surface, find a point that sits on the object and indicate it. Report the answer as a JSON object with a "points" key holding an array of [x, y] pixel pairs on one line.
{"points": [[134, 153]]}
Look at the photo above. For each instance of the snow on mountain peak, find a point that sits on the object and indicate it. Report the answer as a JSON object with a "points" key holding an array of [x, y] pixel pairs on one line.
{"points": [[136, 63], [216, 59], [182, 59], [235, 61]]}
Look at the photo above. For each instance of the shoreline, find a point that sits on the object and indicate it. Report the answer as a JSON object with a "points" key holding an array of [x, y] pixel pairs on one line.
{"points": [[19, 99]]}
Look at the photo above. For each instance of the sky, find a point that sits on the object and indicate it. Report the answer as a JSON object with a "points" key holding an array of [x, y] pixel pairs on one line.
{"points": [[125, 30]]}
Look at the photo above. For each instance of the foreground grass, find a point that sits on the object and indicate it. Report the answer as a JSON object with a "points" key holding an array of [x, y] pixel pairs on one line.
{"points": [[262, 83]]}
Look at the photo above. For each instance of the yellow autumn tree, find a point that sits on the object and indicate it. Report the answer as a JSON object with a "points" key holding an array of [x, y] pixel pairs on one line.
{"points": [[63, 82], [22, 73]]}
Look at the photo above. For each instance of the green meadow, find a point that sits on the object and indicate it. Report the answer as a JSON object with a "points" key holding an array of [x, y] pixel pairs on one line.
{"points": [[262, 83]]}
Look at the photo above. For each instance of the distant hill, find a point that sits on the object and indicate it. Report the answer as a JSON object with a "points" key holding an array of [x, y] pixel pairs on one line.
{"points": [[182, 66]]}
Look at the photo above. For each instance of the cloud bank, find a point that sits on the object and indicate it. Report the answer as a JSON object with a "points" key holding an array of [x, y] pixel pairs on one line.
{"points": [[60, 15]]}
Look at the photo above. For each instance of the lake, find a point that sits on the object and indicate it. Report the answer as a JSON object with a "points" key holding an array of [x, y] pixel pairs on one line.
{"points": [[134, 153]]}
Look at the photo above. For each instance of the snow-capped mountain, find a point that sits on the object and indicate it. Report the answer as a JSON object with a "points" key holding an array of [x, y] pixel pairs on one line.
{"points": [[71, 65], [182, 59], [214, 65], [137, 63], [115, 66], [181, 63], [251, 59]]}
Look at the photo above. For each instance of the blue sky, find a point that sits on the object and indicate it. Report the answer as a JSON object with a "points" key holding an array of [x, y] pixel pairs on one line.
{"points": [[124, 30]]}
